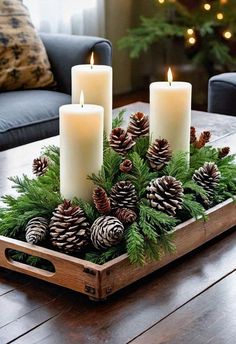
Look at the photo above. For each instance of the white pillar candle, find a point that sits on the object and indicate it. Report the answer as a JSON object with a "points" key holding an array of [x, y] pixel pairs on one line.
{"points": [[81, 148], [170, 113], [96, 82]]}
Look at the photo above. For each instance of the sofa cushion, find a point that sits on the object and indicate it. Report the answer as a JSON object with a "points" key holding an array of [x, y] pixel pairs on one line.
{"points": [[23, 59], [27, 116]]}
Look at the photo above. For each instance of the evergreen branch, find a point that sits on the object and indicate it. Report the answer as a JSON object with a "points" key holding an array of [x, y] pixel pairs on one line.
{"points": [[89, 210], [119, 119], [141, 146], [135, 245], [178, 167], [105, 256], [193, 208], [191, 186]]}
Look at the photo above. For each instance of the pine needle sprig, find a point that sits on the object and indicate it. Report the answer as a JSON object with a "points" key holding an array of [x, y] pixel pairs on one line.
{"points": [[199, 156], [178, 167], [89, 210], [119, 119], [193, 208], [141, 147], [135, 245], [191, 186], [100, 258], [141, 175]]}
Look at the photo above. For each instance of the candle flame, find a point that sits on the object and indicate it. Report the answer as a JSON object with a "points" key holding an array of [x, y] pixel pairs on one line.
{"points": [[81, 98], [170, 76], [92, 60]]}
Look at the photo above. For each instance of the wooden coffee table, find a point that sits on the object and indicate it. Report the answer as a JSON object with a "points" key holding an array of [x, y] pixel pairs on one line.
{"points": [[190, 301]]}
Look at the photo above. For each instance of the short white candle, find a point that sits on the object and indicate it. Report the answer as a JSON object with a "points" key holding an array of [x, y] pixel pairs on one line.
{"points": [[81, 148], [96, 82], [170, 113]]}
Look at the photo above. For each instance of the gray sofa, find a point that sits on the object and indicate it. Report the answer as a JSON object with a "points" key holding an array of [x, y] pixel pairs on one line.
{"points": [[30, 115], [222, 94]]}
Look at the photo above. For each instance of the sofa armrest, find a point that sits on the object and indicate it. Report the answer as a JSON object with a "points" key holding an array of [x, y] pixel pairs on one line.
{"points": [[65, 51]]}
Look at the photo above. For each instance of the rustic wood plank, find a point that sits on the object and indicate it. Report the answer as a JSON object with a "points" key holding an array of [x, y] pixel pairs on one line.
{"points": [[138, 307], [209, 318]]}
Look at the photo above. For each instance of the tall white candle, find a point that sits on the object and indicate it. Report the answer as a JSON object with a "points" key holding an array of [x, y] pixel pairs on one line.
{"points": [[96, 82], [81, 148], [170, 112]]}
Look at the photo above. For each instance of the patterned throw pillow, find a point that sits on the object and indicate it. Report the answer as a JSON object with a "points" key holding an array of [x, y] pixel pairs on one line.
{"points": [[23, 60]]}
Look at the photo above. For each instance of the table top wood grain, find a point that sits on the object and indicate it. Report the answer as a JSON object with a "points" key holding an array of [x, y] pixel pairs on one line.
{"points": [[190, 301]]}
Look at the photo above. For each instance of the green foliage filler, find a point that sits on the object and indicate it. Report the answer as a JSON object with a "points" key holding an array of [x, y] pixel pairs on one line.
{"points": [[210, 47], [152, 234]]}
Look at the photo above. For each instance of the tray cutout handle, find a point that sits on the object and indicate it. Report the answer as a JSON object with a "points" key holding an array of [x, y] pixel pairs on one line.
{"points": [[26, 267]]}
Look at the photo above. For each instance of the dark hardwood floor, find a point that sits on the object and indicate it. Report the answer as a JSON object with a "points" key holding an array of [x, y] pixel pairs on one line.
{"points": [[191, 301]]}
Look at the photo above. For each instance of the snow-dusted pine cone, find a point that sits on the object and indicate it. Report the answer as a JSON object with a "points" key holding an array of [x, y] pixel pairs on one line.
{"points": [[165, 194], [36, 230], [126, 215], [126, 166], [40, 166], [159, 154], [101, 201], [123, 195], [138, 125], [106, 231], [208, 177], [69, 229], [121, 141]]}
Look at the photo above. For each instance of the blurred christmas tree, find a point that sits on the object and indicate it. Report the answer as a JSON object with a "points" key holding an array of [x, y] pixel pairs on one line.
{"points": [[207, 31]]}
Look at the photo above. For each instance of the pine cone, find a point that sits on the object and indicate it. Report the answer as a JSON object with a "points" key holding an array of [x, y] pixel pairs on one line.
{"points": [[121, 141], [159, 154], [138, 125], [126, 166], [36, 230], [126, 215], [223, 152], [40, 166], [208, 177], [123, 195], [165, 194], [101, 201], [69, 228], [193, 136], [203, 139], [106, 231]]}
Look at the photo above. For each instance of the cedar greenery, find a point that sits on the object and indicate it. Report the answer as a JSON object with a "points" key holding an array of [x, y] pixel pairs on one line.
{"points": [[152, 234]]}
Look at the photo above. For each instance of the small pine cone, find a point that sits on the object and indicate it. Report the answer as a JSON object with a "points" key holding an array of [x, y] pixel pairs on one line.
{"points": [[106, 231], [121, 141], [69, 229], [36, 230], [203, 139], [165, 194], [223, 152], [208, 177], [101, 201], [126, 215], [123, 195], [40, 166], [138, 125], [126, 166], [159, 154], [193, 136]]}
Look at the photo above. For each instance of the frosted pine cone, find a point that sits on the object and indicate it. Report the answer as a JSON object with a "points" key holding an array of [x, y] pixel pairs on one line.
{"points": [[126, 215], [223, 152], [101, 201], [208, 177], [138, 125], [106, 231], [40, 166], [165, 194], [126, 166], [159, 154], [69, 229], [121, 141], [36, 230], [123, 195]]}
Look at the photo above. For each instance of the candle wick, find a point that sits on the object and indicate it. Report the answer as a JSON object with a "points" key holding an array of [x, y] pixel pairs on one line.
{"points": [[169, 83], [91, 66], [82, 105]]}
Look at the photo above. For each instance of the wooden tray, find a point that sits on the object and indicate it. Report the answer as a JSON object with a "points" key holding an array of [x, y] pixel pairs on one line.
{"points": [[100, 281]]}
